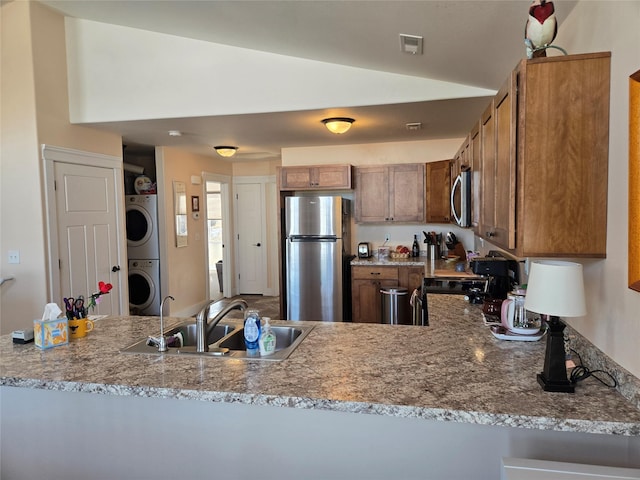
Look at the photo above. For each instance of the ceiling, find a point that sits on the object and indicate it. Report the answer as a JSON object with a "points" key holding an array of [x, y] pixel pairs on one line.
{"points": [[473, 43]]}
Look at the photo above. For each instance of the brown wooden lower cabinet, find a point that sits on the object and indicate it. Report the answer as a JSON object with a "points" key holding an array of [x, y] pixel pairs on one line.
{"points": [[366, 282]]}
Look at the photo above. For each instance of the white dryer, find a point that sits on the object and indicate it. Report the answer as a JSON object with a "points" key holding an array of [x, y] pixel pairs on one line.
{"points": [[142, 227], [144, 287]]}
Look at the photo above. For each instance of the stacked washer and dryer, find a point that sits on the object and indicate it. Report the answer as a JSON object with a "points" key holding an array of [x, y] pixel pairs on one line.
{"points": [[143, 253]]}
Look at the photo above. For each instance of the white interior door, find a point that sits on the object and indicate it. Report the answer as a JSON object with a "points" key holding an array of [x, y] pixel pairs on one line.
{"points": [[251, 248], [87, 233]]}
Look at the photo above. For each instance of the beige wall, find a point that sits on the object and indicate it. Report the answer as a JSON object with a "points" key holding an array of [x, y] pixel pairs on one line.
{"points": [[184, 269], [613, 319], [34, 111], [21, 198], [373, 153], [259, 168]]}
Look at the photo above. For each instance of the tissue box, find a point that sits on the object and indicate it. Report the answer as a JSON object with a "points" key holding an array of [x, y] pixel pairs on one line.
{"points": [[51, 333]]}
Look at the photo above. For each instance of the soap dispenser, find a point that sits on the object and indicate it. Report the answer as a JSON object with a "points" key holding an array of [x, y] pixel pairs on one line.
{"points": [[267, 340]]}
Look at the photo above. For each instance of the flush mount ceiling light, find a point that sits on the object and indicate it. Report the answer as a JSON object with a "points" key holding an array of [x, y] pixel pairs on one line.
{"points": [[225, 151], [174, 133], [338, 124]]}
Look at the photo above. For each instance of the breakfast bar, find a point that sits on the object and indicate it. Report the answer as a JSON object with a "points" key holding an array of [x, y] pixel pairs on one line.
{"points": [[352, 401]]}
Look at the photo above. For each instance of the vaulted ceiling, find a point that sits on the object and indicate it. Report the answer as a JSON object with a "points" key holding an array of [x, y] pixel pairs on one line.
{"points": [[474, 43]]}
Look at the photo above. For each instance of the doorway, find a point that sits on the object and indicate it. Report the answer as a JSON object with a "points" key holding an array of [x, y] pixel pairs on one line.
{"points": [[217, 234], [85, 234], [215, 245]]}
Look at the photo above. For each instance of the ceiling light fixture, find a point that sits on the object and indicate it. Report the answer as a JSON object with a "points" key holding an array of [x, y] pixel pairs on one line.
{"points": [[175, 133], [338, 124], [226, 151]]}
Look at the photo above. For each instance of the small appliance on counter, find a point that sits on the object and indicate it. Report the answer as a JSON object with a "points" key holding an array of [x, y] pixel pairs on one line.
{"points": [[364, 250], [502, 273]]}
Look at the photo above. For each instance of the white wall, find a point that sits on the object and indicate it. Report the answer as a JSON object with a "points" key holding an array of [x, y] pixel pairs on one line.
{"points": [[172, 76], [613, 319]]}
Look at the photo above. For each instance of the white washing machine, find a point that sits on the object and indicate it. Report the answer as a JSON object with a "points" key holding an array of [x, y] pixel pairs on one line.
{"points": [[144, 287], [142, 227]]}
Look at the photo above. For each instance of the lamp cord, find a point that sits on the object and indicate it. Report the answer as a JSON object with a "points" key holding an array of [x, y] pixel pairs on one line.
{"points": [[580, 372]]}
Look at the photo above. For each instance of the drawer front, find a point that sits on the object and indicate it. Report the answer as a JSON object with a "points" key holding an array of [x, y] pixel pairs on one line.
{"points": [[375, 273]]}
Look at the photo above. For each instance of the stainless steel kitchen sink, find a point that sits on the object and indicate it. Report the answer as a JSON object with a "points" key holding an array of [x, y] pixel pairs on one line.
{"points": [[226, 341]]}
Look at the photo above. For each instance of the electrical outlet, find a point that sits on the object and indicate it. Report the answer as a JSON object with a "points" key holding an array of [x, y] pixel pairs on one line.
{"points": [[387, 237], [14, 256]]}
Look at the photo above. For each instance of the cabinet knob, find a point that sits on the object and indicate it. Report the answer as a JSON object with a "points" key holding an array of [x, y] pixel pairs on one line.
{"points": [[491, 234]]}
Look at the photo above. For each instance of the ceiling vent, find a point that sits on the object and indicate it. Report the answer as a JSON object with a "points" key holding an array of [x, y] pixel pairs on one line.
{"points": [[414, 126], [411, 44]]}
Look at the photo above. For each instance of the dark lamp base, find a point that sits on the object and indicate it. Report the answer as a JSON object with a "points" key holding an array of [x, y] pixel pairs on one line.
{"points": [[562, 387], [554, 374]]}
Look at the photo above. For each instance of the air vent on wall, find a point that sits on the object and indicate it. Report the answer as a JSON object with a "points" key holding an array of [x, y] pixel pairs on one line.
{"points": [[411, 44]]}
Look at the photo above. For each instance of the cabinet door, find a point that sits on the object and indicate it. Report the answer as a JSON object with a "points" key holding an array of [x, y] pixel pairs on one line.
{"points": [[365, 291], [295, 178], [505, 116], [410, 278], [438, 191], [332, 177], [309, 177], [368, 307], [487, 172], [563, 156], [407, 193], [372, 195], [476, 167]]}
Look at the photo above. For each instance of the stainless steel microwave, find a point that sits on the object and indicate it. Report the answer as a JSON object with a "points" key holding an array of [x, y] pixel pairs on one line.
{"points": [[461, 199]]}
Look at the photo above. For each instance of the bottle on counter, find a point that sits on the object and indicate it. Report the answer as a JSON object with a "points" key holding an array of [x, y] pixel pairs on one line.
{"points": [[267, 339], [252, 332], [415, 249]]}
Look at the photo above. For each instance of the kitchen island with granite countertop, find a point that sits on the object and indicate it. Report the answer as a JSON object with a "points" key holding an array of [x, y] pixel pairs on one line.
{"points": [[352, 401]]}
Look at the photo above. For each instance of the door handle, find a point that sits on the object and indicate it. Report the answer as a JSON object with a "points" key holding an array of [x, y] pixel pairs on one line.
{"points": [[116, 268], [257, 244]]}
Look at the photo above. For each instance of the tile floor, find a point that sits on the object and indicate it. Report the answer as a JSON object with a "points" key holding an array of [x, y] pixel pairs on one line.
{"points": [[268, 306]]}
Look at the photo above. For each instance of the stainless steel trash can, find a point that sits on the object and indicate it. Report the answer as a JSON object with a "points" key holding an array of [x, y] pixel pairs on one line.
{"points": [[395, 306]]}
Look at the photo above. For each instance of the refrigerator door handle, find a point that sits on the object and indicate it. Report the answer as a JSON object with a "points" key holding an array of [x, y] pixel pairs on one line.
{"points": [[313, 239]]}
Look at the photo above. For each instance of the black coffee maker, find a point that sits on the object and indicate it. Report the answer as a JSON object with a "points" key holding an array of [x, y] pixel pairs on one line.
{"points": [[502, 273]]}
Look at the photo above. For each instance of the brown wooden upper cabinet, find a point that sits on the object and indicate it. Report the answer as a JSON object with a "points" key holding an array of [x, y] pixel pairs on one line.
{"points": [[544, 148], [390, 193], [439, 191], [325, 177]]}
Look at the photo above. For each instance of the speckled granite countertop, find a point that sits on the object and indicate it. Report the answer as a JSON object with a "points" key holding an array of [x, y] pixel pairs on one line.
{"points": [[454, 370], [403, 262]]}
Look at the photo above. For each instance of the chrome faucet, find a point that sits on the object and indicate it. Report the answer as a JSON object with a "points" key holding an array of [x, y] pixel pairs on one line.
{"points": [[161, 341], [204, 329]]}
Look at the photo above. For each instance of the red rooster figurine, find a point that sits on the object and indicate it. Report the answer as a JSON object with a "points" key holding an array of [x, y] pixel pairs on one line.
{"points": [[541, 28]]}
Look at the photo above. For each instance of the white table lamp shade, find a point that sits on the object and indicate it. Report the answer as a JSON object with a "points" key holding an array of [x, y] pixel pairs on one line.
{"points": [[556, 288]]}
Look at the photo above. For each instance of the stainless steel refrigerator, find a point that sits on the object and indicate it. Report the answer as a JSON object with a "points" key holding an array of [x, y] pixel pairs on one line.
{"points": [[318, 246]]}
